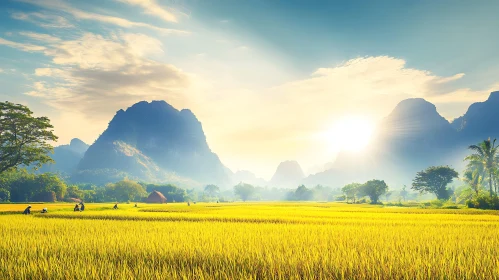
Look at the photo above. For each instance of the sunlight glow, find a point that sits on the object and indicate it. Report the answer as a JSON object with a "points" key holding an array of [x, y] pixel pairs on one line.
{"points": [[352, 133]]}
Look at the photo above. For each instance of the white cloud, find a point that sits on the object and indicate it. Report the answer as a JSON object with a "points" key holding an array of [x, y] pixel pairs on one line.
{"points": [[97, 75], [21, 46], [43, 20], [151, 7], [59, 5], [282, 122], [41, 37]]}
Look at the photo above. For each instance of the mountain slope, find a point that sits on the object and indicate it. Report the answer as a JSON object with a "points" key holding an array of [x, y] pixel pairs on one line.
{"points": [[66, 157], [288, 174], [155, 142], [412, 137]]}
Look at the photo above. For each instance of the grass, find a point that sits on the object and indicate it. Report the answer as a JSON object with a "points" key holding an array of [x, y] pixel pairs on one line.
{"points": [[248, 241]]}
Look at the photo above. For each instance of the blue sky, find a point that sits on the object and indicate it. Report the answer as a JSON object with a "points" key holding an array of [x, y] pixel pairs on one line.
{"points": [[276, 74]]}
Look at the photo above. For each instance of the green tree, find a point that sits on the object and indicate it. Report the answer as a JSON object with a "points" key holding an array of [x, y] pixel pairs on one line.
{"points": [[435, 179], [244, 191], [351, 191], [485, 160], [24, 139], [374, 189], [125, 190], [473, 179], [212, 190], [302, 193], [404, 192]]}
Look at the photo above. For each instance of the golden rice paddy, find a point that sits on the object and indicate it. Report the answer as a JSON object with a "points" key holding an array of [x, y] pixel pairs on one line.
{"points": [[247, 241]]}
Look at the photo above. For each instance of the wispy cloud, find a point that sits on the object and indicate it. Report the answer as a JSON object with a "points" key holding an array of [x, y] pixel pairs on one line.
{"points": [[41, 37], [59, 5], [43, 20], [151, 7], [21, 46], [96, 75]]}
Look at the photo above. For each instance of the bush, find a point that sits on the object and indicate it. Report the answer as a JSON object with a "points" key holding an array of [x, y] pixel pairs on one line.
{"points": [[484, 201]]}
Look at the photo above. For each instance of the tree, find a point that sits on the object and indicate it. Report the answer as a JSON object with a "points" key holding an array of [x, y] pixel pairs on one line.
{"points": [[404, 192], [302, 193], [351, 191], [387, 195], [473, 179], [484, 160], [125, 190], [212, 190], [244, 190], [374, 189], [24, 139], [435, 179]]}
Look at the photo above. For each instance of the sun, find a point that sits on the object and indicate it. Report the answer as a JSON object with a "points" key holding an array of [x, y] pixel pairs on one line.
{"points": [[351, 133]]}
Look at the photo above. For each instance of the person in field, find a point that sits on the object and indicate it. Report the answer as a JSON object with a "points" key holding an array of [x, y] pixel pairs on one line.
{"points": [[77, 208], [115, 206], [27, 211], [44, 210], [82, 208], [135, 205]]}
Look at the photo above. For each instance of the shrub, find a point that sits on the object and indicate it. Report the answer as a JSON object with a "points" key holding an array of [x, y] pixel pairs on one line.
{"points": [[484, 201]]}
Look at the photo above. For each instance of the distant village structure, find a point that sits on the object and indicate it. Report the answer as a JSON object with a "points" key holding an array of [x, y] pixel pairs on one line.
{"points": [[156, 197]]}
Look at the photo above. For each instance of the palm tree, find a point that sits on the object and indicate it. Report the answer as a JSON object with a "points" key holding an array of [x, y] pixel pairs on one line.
{"points": [[473, 179], [484, 159]]}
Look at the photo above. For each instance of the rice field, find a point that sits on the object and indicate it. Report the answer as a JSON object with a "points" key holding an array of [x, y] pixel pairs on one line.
{"points": [[248, 241]]}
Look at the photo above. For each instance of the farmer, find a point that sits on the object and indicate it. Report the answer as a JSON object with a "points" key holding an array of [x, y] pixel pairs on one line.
{"points": [[135, 205], [27, 211], [188, 203], [82, 206], [77, 208], [44, 210], [115, 206]]}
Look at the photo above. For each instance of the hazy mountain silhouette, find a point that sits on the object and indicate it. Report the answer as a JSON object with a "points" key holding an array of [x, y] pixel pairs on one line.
{"points": [[288, 175], [480, 121], [154, 142], [248, 177], [412, 137], [66, 157]]}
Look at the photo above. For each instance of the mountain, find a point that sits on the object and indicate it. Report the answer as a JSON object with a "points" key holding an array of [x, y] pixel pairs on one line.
{"points": [[412, 137], [248, 177], [481, 121], [288, 175], [66, 157], [153, 142]]}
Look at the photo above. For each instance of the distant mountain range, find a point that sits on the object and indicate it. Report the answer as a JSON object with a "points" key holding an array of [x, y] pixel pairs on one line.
{"points": [[412, 137], [152, 142], [155, 142], [66, 157]]}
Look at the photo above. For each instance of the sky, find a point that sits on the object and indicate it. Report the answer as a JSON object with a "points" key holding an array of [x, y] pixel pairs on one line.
{"points": [[269, 80]]}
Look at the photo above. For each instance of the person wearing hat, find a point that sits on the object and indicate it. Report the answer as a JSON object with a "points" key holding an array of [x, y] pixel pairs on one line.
{"points": [[44, 210], [27, 211]]}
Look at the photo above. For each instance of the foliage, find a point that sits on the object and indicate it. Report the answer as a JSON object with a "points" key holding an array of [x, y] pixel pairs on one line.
{"points": [[125, 190], [435, 179], [301, 193], [244, 191], [484, 160], [484, 202], [24, 139], [374, 189], [24, 186], [212, 190], [171, 192], [404, 192], [351, 191]]}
